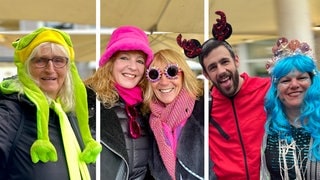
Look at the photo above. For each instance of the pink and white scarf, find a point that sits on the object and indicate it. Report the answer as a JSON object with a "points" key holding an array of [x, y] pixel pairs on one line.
{"points": [[170, 119]]}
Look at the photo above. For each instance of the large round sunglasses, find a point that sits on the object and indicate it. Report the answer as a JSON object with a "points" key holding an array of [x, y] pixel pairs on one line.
{"points": [[171, 72]]}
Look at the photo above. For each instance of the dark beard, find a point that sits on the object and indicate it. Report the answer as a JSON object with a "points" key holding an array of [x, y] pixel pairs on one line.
{"points": [[235, 81]]}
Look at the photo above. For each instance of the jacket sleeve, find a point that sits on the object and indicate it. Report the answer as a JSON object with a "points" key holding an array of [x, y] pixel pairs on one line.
{"points": [[10, 122]]}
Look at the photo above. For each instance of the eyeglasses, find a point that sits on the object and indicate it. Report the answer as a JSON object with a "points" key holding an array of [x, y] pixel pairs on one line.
{"points": [[42, 62], [134, 127], [171, 71]]}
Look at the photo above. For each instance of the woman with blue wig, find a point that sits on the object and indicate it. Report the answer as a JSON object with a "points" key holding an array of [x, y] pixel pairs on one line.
{"points": [[291, 146]]}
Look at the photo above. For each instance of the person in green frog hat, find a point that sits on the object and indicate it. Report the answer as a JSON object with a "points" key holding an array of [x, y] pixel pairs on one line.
{"points": [[44, 131]]}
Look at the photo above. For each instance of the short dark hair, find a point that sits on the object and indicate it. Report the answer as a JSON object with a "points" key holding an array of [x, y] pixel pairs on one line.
{"points": [[211, 44]]}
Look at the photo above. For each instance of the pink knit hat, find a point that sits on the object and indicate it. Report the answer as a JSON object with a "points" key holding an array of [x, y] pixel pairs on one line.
{"points": [[127, 38]]}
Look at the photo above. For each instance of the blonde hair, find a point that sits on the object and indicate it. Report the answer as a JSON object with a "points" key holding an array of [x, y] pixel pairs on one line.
{"points": [[103, 84], [190, 81]]}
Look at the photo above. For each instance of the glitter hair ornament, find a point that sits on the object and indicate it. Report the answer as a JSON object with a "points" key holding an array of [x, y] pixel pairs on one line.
{"points": [[283, 48], [220, 32]]}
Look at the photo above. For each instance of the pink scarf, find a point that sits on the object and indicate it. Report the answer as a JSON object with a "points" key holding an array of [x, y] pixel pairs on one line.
{"points": [[171, 117], [130, 96]]}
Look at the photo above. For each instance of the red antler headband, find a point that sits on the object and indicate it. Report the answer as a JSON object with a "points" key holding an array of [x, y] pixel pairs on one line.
{"points": [[220, 31], [192, 47]]}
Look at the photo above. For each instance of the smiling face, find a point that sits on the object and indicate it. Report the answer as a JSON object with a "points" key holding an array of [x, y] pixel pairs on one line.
{"points": [[221, 70], [166, 89], [128, 68], [49, 78], [292, 88]]}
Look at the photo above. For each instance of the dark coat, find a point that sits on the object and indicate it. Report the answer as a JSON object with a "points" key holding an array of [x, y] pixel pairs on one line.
{"points": [[122, 157], [18, 120], [190, 150]]}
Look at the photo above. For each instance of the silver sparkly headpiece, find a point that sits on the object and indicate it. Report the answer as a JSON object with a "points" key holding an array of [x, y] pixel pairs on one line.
{"points": [[283, 48]]}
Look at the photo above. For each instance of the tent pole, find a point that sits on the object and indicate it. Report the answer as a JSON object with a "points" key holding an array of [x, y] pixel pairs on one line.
{"points": [[206, 96], [98, 44]]}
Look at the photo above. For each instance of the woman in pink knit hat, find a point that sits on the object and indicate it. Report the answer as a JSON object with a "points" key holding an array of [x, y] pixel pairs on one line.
{"points": [[119, 84]]}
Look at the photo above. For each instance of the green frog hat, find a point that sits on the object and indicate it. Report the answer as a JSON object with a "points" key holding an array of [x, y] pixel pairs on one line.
{"points": [[42, 149]]}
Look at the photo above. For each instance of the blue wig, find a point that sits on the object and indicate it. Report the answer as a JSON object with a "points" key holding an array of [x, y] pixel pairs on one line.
{"points": [[277, 122]]}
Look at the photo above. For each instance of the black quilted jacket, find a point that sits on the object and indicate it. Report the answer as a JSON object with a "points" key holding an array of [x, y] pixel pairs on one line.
{"points": [[122, 157]]}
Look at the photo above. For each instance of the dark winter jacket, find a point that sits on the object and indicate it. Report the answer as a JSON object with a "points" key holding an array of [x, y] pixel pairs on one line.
{"points": [[18, 131], [122, 157], [190, 150]]}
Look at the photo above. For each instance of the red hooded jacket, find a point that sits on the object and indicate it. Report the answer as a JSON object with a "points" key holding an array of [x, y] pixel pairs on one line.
{"points": [[236, 130]]}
